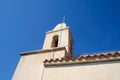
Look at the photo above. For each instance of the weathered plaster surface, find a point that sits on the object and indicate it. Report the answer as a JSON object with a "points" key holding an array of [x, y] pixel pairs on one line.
{"points": [[90, 71]]}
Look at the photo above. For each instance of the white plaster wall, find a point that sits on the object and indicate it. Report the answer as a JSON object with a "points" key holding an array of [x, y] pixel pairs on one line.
{"points": [[30, 67], [91, 71]]}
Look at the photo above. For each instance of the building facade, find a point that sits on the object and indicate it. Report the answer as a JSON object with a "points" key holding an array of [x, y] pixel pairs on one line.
{"points": [[55, 61]]}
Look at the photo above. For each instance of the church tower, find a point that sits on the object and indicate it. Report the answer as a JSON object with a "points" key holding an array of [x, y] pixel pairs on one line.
{"points": [[58, 43], [59, 37]]}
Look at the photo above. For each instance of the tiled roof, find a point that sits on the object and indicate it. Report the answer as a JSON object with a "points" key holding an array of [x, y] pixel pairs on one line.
{"points": [[102, 57]]}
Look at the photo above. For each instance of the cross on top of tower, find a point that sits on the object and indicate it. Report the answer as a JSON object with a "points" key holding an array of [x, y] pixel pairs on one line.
{"points": [[63, 19]]}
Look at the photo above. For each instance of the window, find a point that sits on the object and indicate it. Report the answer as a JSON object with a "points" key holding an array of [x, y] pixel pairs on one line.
{"points": [[55, 41]]}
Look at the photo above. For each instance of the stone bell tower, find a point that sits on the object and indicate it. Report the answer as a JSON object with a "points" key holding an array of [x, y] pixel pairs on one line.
{"points": [[58, 44]]}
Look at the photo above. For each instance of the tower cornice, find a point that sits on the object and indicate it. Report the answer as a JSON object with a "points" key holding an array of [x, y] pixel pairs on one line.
{"points": [[57, 30], [42, 51]]}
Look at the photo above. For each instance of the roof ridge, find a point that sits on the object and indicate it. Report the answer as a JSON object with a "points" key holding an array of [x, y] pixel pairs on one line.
{"points": [[100, 52]]}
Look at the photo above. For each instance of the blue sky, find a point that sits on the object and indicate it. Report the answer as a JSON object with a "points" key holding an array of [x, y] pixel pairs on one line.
{"points": [[95, 25]]}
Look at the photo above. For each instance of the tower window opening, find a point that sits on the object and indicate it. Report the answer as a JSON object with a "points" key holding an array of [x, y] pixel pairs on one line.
{"points": [[55, 41]]}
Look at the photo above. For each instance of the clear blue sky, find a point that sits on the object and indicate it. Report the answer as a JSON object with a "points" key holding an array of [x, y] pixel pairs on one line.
{"points": [[95, 25]]}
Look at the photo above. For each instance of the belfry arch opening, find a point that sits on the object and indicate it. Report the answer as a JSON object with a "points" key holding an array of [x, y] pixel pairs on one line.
{"points": [[55, 41]]}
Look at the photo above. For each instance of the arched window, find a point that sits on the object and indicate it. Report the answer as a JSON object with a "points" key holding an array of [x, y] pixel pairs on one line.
{"points": [[55, 41]]}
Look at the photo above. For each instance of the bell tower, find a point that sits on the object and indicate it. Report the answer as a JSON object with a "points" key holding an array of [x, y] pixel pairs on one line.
{"points": [[59, 37]]}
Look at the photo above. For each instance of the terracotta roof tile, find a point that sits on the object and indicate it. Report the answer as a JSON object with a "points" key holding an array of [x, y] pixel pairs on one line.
{"points": [[56, 59], [90, 56]]}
